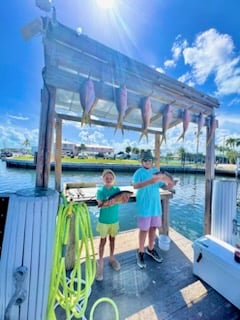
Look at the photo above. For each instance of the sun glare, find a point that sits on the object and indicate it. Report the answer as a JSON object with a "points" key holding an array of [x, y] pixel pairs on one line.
{"points": [[106, 4]]}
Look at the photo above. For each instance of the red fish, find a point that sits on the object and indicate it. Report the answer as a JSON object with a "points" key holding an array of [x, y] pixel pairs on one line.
{"points": [[166, 119], [186, 120], [201, 122], [121, 104], [87, 99], [146, 110], [118, 198], [213, 126]]}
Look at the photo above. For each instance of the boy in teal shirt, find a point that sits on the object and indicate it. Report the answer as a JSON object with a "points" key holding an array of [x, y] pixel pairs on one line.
{"points": [[108, 223], [147, 180]]}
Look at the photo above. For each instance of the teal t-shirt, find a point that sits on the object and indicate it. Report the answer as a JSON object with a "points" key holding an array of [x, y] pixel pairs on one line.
{"points": [[148, 198], [108, 215]]}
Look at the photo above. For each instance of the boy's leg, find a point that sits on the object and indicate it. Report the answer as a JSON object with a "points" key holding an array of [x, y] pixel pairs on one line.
{"points": [[151, 251], [151, 237], [140, 252], [99, 273], [142, 238], [112, 246], [101, 251], [113, 262]]}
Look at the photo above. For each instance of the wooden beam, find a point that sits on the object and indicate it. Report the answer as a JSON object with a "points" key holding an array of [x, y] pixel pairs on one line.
{"points": [[58, 154], [209, 175], [82, 64], [45, 136], [82, 43], [105, 123], [157, 150]]}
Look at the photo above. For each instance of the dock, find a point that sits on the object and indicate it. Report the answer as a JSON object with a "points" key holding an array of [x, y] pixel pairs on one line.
{"points": [[161, 291]]}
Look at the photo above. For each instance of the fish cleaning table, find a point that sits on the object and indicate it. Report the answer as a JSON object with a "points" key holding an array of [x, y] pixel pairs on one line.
{"points": [[80, 192]]}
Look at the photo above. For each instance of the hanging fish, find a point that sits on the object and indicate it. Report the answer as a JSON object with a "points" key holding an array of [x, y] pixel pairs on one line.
{"points": [[213, 126], [121, 104], [201, 122], [166, 119], [146, 110], [87, 99], [186, 120]]}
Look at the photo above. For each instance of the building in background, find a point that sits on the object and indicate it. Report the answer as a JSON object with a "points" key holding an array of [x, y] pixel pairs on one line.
{"points": [[75, 149]]}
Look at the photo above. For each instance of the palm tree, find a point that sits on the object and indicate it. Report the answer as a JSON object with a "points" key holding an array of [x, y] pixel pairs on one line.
{"points": [[128, 149], [26, 144], [181, 152], [231, 142]]}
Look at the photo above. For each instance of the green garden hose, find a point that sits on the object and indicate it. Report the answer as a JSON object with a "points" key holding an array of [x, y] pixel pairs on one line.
{"points": [[108, 300], [71, 292]]}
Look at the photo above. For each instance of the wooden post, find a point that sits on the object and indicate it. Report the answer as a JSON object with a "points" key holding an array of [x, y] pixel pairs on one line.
{"points": [[209, 175], [165, 197], [157, 150], [45, 136], [70, 258], [58, 154]]}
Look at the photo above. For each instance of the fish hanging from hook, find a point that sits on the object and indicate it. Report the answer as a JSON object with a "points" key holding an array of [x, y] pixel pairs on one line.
{"points": [[88, 99], [186, 117], [146, 112], [121, 104]]}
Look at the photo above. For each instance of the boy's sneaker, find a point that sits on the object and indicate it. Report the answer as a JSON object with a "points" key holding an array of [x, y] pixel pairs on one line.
{"points": [[140, 260], [153, 253]]}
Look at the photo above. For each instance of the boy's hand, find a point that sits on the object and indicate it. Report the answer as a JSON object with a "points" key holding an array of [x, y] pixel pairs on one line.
{"points": [[111, 202], [156, 178], [171, 184]]}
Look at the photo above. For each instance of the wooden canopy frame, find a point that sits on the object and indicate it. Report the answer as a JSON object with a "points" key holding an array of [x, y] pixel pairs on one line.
{"points": [[71, 58]]}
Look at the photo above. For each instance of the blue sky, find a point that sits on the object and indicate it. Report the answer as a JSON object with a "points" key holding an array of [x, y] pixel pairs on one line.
{"points": [[196, 42]]}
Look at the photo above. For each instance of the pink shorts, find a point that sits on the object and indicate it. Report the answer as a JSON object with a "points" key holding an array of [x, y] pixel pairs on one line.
{"points": [[144, 223]]}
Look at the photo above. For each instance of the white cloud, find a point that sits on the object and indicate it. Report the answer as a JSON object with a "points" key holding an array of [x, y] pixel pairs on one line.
{"points": [[13, 136], [15, 117], [177, 49], [212, 54]]}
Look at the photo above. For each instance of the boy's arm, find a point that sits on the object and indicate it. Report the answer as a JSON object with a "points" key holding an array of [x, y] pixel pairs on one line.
{"points": [[166, 178], [154, 179]]}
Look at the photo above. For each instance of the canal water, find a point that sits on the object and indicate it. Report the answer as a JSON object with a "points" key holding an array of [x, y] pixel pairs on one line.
{"points": [[186, 206]]}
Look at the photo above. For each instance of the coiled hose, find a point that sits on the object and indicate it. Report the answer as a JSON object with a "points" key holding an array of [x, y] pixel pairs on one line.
{"points": [[71, 291]]}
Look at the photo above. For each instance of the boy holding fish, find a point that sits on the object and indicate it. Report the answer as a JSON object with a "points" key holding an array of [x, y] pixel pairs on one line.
{"points": [[147, 180], [108, 197]]}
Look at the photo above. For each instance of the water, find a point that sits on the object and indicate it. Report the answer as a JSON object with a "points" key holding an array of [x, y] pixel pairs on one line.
{"points": [[186, 207]]}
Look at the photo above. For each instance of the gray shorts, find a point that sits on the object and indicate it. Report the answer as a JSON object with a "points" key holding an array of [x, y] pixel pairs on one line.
{"points": [[144, 223]]}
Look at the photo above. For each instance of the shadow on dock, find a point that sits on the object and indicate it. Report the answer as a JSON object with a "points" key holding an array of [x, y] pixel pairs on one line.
{"points": [[161, 291]]}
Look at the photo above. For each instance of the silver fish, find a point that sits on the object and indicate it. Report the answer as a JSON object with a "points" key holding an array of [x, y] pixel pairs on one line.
{"points": [[201, 122], [166, 119], [121, 104], [186, 120], [213, 126], [87, 99], [118, 197], [146, 110]]}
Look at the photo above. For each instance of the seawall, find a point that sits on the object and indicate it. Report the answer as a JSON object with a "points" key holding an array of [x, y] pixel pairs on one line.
{"points": [[67, 166]]}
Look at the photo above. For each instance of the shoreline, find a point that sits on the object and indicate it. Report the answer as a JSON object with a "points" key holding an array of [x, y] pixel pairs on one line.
{"points": [[222, 169]]}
